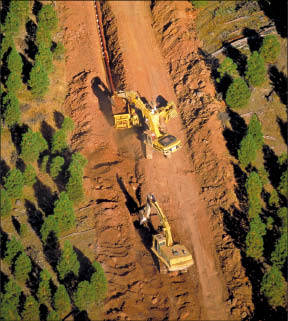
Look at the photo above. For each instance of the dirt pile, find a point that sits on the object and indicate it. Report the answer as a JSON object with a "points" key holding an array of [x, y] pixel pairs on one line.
{"points": [[175, 30]]}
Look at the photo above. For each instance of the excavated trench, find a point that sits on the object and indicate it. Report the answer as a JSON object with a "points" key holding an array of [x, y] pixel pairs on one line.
{"points": [[117, 176]]}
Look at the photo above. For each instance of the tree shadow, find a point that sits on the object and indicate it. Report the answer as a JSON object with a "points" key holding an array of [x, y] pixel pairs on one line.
{"points": [[277, 12], [37, 6], [20, 165], [58, 118], [4, 68], [16, 224], [4, 169], [34, 276], [17, 131], [52, 250], [45, 197], [86, 269], [283, 129], [4, 10], [131, 205], [234, 136], [35, 218], [3, 243], [43, 311], [236, 55], [254, 39], [3, 281], [103, 95], [271, 165], [47, 132], [32, 49], [81, 316], [27, 67], [279, 83]]}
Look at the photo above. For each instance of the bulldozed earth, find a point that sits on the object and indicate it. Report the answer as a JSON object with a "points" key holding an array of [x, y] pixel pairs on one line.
{"points": [[153, 49]]}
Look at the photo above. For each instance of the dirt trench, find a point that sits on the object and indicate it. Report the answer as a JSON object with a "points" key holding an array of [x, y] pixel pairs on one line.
{"points": [[117, 177]]}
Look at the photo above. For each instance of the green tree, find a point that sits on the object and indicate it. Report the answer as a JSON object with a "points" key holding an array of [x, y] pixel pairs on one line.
{"points": [[238, 94], [32, 145], [44, 292], [64, 212], [53, 316], [23, 266], [199, 3], [273, 287], [254, 244], [75, 188], [14, 82], [13, 248], [77, 164], [56, 166], [255, 73], [8, 312], [283, 186], [270, 49], [269, 223], [6, 43], [12, 293], [227, 67], [48, 16], [14, 61], [29, 175], [247, 150], [61, 301], [98, 283], [82, 297], [43, 166], [67, 125], [68, 262], [264, 175], [59, 141], [257, 225], [39, 81], [14, 183], [279, 255], [31, 310], [273, 199], [12, 113], [50, 225], [45, 57], [254, 207], [6, 205], [254, 185], [255, 129]]}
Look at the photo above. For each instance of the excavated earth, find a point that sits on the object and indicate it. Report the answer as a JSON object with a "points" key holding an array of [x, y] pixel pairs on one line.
{"points": [[153, 49]]}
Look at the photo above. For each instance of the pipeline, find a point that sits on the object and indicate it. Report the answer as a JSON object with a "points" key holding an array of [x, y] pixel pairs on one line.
{"points": [[103, 46]]}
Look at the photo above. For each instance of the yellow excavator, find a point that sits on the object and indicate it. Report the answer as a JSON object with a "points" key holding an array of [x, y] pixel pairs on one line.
{"points": [[174, 257], [129, 110]]}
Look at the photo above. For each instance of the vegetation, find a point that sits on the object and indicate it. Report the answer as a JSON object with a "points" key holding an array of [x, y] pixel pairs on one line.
{"points": [[59, 141], [255, 73], [247, 151], [29, 175], [31, 310], [283, 185], [45, 57], [32, 145], [48, 16], [14, 183], [53, 316], [270, 49], [11, 112], [227, 67], [98, 283], [14, 61], [238, 94], [64, 212], [23, 266], [39, 81], [62, 301], [56, 166], [10, 302], [68, 263], [279, 255], [13, 248], [6, 205], [199, 3], [44, 163], [83, 298], [44, 291], [49, 226]]}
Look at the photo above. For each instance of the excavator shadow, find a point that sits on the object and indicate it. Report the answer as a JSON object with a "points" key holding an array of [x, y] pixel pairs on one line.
{"points": [[103, 95]]}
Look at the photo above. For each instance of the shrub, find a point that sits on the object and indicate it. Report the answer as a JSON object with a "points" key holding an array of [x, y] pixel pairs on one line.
{"points": [[68, 262], [14, 183], [31, 310], [56, 166], [227, 67], [50, 225], [39, 81], [6, 205], [62, 301], [32, 145], [44, 292], [255, 73], [48, 16], [14, 82], [59, 51], [247, 150], [98, 283], [29, 175], [45, 57], [23, 266], [64, 212], [14, 61], [238, 94], [273, 287], [82, 297], [255, 129], [279, 255], [59, 141], [13, 248], [43, 166], [12, 113], [270, 49], [67, 125]]}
